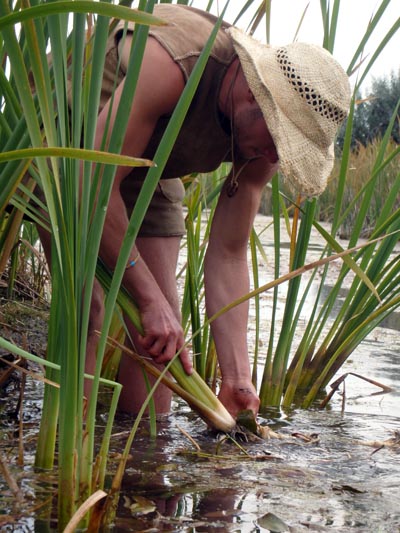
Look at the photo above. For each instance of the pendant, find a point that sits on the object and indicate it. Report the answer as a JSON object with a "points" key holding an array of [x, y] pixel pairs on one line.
{"points": [[232, 187]]}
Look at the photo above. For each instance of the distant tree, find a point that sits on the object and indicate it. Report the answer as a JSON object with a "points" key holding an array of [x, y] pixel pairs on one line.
{"points": [[385, 96], [374, 111], [361, 126]]}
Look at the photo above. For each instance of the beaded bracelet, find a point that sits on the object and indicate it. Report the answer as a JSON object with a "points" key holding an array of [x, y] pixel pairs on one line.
{"points": [[133, 262]]}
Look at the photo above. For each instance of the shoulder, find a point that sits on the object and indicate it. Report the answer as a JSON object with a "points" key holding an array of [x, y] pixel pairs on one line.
{"points": [[187, 32], [160, 80]]}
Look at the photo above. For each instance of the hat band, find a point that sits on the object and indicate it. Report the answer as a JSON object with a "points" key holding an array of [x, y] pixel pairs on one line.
{"points": [[315, 100]]}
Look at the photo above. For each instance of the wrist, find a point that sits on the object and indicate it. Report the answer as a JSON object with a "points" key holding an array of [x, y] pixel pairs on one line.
{"points": [[236, 371], [237, 381], [140, 283], [132, 262]]}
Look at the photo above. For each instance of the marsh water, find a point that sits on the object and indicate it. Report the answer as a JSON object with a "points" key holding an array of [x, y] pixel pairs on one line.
{"points": [[336, 469], [329, 471]]}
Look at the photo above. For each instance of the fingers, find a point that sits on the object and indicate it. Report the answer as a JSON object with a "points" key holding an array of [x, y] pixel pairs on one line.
{"points": [[163, 337], [186, 361], [162, 351]]}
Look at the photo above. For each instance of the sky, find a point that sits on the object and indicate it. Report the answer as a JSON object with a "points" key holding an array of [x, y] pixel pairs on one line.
{"points": [[353, 20]]}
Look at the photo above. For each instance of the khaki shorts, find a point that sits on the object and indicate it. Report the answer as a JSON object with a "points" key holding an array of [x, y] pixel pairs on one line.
{"points": [[164, 217]]}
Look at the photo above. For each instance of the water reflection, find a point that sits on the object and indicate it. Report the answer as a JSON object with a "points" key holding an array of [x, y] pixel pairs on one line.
{"points": [[340, 482]]}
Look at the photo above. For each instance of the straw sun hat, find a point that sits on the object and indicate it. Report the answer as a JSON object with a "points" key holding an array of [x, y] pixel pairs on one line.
{"points": [[304, 95]]}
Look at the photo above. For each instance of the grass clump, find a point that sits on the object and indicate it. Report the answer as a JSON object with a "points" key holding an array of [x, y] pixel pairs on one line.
{"points": [[361, 166]]}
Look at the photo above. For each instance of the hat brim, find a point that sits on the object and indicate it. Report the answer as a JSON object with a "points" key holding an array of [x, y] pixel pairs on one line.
{"points": [[305, 163]]}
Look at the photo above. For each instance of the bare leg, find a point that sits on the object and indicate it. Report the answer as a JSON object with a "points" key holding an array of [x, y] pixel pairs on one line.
{"points": [[160, 255]]}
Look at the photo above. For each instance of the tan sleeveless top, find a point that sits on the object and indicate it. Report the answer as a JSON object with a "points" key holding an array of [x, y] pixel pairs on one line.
{"points": [[202, 143]]}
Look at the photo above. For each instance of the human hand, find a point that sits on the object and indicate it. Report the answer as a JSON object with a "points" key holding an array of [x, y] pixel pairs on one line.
{"points": [[239, 396], [163, 334]]}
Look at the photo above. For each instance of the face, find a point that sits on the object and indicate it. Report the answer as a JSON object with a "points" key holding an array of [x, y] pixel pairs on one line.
{"points": [[251, 134]]}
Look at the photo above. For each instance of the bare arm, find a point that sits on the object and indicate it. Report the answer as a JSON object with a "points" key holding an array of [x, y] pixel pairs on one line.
{"points": [[159, 87], [227, 278]]}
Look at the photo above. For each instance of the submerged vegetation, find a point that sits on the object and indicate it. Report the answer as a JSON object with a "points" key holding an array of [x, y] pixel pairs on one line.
{"points": [[48, 147]]}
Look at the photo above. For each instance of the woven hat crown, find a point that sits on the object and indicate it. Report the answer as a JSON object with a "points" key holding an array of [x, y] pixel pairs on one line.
{"points": [[304, 95]]}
